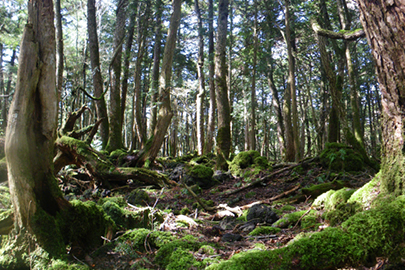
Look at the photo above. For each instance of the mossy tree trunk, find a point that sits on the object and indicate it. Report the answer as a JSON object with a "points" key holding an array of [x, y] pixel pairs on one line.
{"points": [[152, 147], [32, 124], [224, 116], [384, 24]]}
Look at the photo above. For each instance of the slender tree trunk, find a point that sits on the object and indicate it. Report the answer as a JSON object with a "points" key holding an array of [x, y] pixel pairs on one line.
{"points": [[59, 49], [201, 83], [211, 67], [115, 132], [224, 116], [101, 107], [385, 30], [252, 131], [8, 90], [291, 82], [156, 65], [151, 149], [141, 40], [2, 92], [127, 56]]}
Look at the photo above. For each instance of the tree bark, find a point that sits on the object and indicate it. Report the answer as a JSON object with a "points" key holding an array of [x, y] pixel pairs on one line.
{"points": [[32, 124], [156, 65], [59, 49], [115, 132], [291, 83], [8, 90], [201, 83], [252, 121], [141, 40], [127, 55], [2, 92], [384, 24], [211, 67], [224, 117], [101, 107], [152, 147]]}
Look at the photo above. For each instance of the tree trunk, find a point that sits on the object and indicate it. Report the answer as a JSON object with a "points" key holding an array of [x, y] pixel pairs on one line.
{"points": [[211, 113], [156, 65], [384, 25], [32, 124], [115, 132], [59, 49], [201, 83], [3, 120], [8, 90], [127, 56], [152, 147], [252, 121], [101, 107], [141, 40], [295, 146], [224, 116]]}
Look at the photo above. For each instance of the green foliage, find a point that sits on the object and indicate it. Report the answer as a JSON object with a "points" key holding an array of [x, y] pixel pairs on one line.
{"points": [[338, 157], [264, 230]]}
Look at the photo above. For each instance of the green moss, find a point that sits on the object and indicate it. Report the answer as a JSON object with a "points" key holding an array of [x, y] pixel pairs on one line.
{"points": [[64, 265], [207, 250], [243, 217], [331, 199], [182, 259], [265, 230], [119, 200], [339, 157], [84, 224], [287, 208], [317, 190], [138, 197], [201, 171], [292, 218], [367, 193], [137, 238], [247, 159], [5, 202], [166, 255]]}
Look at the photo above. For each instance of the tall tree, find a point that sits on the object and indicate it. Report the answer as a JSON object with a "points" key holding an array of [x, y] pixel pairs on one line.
{"points": [[211, 68], [156, 64], [252, 126], [293, 147], [115, 132], [385, 30], [59, 48], [101, 107], [201, 82], [152, 147], [224, 114]]}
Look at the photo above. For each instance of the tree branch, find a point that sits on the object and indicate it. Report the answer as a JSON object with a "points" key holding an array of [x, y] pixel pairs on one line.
{"points": [[345, 35]]}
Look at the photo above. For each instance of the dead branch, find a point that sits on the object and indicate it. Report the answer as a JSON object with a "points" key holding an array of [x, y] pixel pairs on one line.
{"points": [[274, 198]]}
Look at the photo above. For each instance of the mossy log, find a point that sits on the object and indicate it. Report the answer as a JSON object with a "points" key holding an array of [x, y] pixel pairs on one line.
{"points": [[315, 191]]}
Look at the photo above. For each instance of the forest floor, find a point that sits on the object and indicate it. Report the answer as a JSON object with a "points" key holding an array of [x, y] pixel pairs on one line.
{"points": [[183, 216]]}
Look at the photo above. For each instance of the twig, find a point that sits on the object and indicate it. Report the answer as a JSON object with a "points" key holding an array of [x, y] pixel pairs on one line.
{"points": [[306, 213]]}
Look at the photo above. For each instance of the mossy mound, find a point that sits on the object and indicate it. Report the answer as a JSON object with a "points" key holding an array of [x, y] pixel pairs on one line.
{"points": [[248, 159], [340, 157], [119, 200], [288, 220], [331, 199], [264, 230], [138, 197], [361, 239], [178, 254], [138, 237], [316, 190], [201, 175]]}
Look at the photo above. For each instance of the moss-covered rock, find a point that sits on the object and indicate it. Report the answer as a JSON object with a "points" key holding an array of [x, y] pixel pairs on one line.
{"points": [[168, 257], [316, 190], [138, 237], [339, 157], [310, 219], [201, 175], [331, 199], [248, 159], [138, 197]]}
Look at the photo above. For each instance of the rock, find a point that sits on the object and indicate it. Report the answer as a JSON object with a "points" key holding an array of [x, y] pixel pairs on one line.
{"points": [[177, 173], [261, 214], [138, 197], [221, 176], [230, 237]]}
